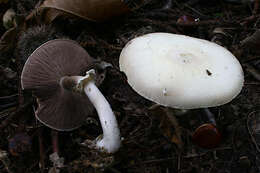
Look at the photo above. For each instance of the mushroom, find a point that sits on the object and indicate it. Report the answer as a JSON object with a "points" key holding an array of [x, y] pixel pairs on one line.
{"points": [[53, 73], [180, 71]]}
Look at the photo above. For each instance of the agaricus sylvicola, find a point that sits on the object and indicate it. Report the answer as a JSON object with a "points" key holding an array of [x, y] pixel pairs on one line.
{"points": [[66, 98], [181, 72]]}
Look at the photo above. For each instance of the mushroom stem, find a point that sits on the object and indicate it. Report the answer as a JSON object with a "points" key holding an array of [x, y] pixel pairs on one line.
{"points": [[110, 141], [210, 115]]}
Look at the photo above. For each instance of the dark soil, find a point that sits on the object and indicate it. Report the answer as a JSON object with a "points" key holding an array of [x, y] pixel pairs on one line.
{"points": [[151, 142]]}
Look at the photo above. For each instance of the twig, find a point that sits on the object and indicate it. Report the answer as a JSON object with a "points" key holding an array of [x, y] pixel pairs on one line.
{"points": [[10, 97], [196, 11], [157, 160]]}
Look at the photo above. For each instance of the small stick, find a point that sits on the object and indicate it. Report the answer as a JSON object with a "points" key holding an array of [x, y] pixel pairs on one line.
{"points": [[9, 98]]}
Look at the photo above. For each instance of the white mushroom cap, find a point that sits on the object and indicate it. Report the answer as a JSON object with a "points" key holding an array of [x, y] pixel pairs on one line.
{"points": [[180, 71]]}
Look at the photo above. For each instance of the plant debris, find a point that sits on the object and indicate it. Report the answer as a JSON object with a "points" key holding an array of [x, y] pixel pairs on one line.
{"points": [[153, 140]]}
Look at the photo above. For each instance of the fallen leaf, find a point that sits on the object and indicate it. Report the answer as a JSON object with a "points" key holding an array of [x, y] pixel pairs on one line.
{"points": [[169, 125], [94, 10]]}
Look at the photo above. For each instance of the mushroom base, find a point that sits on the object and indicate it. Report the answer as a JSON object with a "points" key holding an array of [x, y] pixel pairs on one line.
{"points": [[110, 140]]}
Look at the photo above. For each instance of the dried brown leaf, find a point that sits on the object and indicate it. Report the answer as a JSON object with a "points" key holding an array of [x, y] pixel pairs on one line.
{"points": [[169, 125], [94, 10], [44, 15]]}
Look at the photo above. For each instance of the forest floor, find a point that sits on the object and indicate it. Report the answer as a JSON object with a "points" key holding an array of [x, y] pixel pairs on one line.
{"points": [[153, 141]]}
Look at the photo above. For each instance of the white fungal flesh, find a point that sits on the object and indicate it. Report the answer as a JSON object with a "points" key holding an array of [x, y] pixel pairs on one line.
{"points": [[110, 142], [181, 71]]}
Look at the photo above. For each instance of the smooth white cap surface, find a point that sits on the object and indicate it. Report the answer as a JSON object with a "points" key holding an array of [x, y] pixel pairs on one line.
{"points": [[180, 71]]}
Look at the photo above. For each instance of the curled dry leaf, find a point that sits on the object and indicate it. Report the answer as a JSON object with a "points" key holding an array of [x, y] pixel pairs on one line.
{"points": [[97, 10], [169, 125], [93, 10]]}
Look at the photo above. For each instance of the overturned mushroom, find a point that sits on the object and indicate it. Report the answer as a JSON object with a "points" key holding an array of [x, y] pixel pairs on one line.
{"points": [[181, 72], [53, 72]]}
